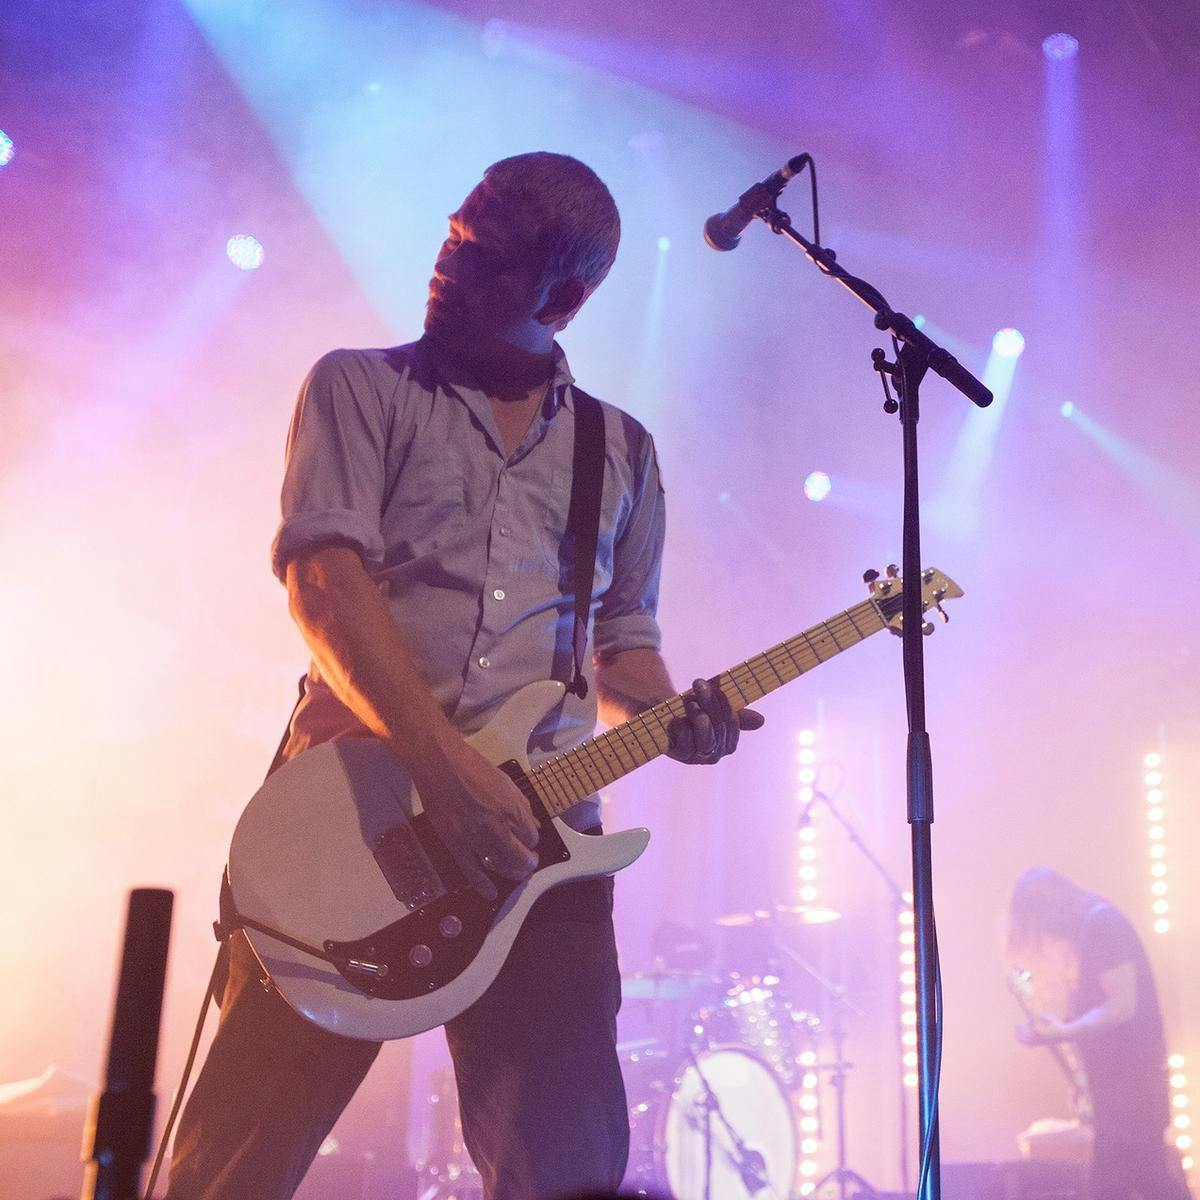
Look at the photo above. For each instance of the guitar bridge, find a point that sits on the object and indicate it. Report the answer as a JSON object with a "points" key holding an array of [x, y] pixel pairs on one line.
{"points": [[405, 867]]}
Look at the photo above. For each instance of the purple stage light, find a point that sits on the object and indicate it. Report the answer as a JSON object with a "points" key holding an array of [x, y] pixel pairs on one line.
{"points": [[1060, 46], [1068, 408], [245, 252], [817, 486], [1008, 343], [7, 149]]}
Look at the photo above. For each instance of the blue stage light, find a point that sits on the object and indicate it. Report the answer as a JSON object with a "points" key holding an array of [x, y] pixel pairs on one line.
{"points": [[1060, 46], [817, 486], [1068, 408], [664, 243], [6, 149], [1008, 343], [245, 252]]}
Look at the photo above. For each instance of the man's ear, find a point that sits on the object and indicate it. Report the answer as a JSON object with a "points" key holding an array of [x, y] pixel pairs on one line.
{"points": [[563, 300]]}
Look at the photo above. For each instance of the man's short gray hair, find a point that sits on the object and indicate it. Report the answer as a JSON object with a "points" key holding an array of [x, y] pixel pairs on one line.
{"points": [[565, 210]]}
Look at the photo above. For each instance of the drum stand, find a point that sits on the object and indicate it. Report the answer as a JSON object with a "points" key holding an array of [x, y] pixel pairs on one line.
{"points": [[751, 1166], [842, 1175]]}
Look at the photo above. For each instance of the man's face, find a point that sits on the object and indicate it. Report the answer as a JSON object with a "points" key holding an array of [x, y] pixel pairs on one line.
{"points": [[486, 284]]}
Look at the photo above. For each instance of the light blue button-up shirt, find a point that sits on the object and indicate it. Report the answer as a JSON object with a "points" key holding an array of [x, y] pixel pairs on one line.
{"points": [[463, 539]]}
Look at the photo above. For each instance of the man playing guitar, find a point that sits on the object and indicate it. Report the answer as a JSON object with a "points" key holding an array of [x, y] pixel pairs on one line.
{"points": [[1112, 1018], [424, 505]]}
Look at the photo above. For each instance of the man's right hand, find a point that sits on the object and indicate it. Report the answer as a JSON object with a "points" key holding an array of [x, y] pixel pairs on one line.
{"points": [[479, 813]]}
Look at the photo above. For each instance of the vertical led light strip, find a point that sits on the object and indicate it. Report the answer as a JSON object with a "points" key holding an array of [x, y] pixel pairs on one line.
{"points": [[807, 893], [1181, 1121], [908, 991], [1156, 831]]}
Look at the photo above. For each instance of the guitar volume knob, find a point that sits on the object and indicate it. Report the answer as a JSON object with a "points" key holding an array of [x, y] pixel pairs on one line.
{"points": [[420, 955], [450, 926]]}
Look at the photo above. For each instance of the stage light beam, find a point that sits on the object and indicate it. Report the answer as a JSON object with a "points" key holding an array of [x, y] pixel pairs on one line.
{"points": [[7, 149]]}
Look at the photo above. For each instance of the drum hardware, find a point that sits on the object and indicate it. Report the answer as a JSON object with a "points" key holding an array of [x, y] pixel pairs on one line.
{"points": [[898, 904], [750, 1165], [667, 985], [713, 1124], [799, 914]]}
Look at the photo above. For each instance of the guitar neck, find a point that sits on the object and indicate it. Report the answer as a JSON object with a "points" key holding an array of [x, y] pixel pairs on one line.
{"points": [[574, 775]]}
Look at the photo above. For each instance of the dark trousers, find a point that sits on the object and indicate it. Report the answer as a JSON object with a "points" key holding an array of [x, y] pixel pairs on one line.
{"points": [[540, 1090], [1132, 1163]]}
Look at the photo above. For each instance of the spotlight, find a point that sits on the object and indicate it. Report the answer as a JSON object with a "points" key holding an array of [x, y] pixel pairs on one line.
{"points": [[1008, 343], [664, 244], [817, 486], [1067, 409], [6, 149], [1058, 47], [245, 252]]}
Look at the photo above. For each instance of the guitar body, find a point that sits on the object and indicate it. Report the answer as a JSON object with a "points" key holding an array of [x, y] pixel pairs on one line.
{"points": [[334, 851]]}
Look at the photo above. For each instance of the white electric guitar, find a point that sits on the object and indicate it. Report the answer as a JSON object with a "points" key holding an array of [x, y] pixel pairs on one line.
{"points": [[357, 911]]}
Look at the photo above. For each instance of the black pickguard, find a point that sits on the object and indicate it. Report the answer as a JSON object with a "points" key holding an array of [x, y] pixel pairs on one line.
{"points": [[387, 964]]}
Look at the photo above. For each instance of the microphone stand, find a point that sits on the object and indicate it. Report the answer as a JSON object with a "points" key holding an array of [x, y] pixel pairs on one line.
{"points": [[898, 904], [915, 355]]}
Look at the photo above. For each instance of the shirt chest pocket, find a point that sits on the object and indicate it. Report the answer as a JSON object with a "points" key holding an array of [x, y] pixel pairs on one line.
{"points": [[551, 524], [425, 508]]}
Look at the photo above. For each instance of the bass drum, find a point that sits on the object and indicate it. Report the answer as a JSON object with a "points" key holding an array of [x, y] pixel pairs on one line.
{"points": [[674, 1129]]}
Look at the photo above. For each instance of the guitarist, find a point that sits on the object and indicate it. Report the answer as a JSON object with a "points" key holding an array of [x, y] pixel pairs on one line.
{"points": [[1113, 1019], [424, 504]]}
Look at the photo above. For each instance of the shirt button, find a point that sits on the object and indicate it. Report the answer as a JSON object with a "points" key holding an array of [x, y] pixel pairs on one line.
{"points": [[503, 531], [484, 661], [498, 594]]}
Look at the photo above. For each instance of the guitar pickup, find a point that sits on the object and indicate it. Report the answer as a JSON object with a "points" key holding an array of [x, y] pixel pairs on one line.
{"points": [[405, 867]]}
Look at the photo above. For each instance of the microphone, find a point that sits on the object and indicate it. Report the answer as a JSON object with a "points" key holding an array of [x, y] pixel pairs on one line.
{"points": [[723, 231]]}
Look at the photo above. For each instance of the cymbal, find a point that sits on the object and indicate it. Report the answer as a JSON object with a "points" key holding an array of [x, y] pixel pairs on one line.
{"points": [[666, 985], [799, 914]]}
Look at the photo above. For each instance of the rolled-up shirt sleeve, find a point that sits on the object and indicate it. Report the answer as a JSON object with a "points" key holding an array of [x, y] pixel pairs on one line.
{"points": [[333, 485], [626, 618]]}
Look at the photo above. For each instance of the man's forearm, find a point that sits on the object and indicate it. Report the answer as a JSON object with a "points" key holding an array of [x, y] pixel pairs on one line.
{"points": [[1104, 1016], [630, 681], [361, 652]]}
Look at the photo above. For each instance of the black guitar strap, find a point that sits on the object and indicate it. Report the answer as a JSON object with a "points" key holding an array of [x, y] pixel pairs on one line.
{"points": [[583, 521]]}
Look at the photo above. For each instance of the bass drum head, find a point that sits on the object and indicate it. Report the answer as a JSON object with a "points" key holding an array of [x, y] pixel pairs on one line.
{"points": [[754, 1107]]}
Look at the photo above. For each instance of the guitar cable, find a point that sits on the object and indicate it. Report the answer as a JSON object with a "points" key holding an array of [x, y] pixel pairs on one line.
{"points": [[932, 1129], [180, 1091]]}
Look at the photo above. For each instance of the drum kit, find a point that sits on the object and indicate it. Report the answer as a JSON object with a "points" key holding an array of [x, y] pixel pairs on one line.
{"points": [[724, 1095]]}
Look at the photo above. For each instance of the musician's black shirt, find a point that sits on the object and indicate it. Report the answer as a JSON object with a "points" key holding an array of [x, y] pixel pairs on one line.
{"points": [[1125, 1063]]}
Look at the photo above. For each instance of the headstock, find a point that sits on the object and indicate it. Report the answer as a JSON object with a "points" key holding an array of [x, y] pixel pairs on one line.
{"points": [[887, 592]]}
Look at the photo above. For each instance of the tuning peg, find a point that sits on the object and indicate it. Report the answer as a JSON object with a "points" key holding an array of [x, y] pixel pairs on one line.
{"points": [[893, 571], [926, 628], [943, 615], [870, 576]]}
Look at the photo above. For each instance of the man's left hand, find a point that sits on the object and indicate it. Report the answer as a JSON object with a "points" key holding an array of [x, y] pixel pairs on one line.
{"points": [[710, 728]]}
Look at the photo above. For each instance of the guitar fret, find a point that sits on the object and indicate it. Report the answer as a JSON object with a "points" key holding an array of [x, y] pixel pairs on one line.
{"points": [[832, 635], [767, 659], [633, 725], [558, 793], [587, 767], [581, 787]]}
